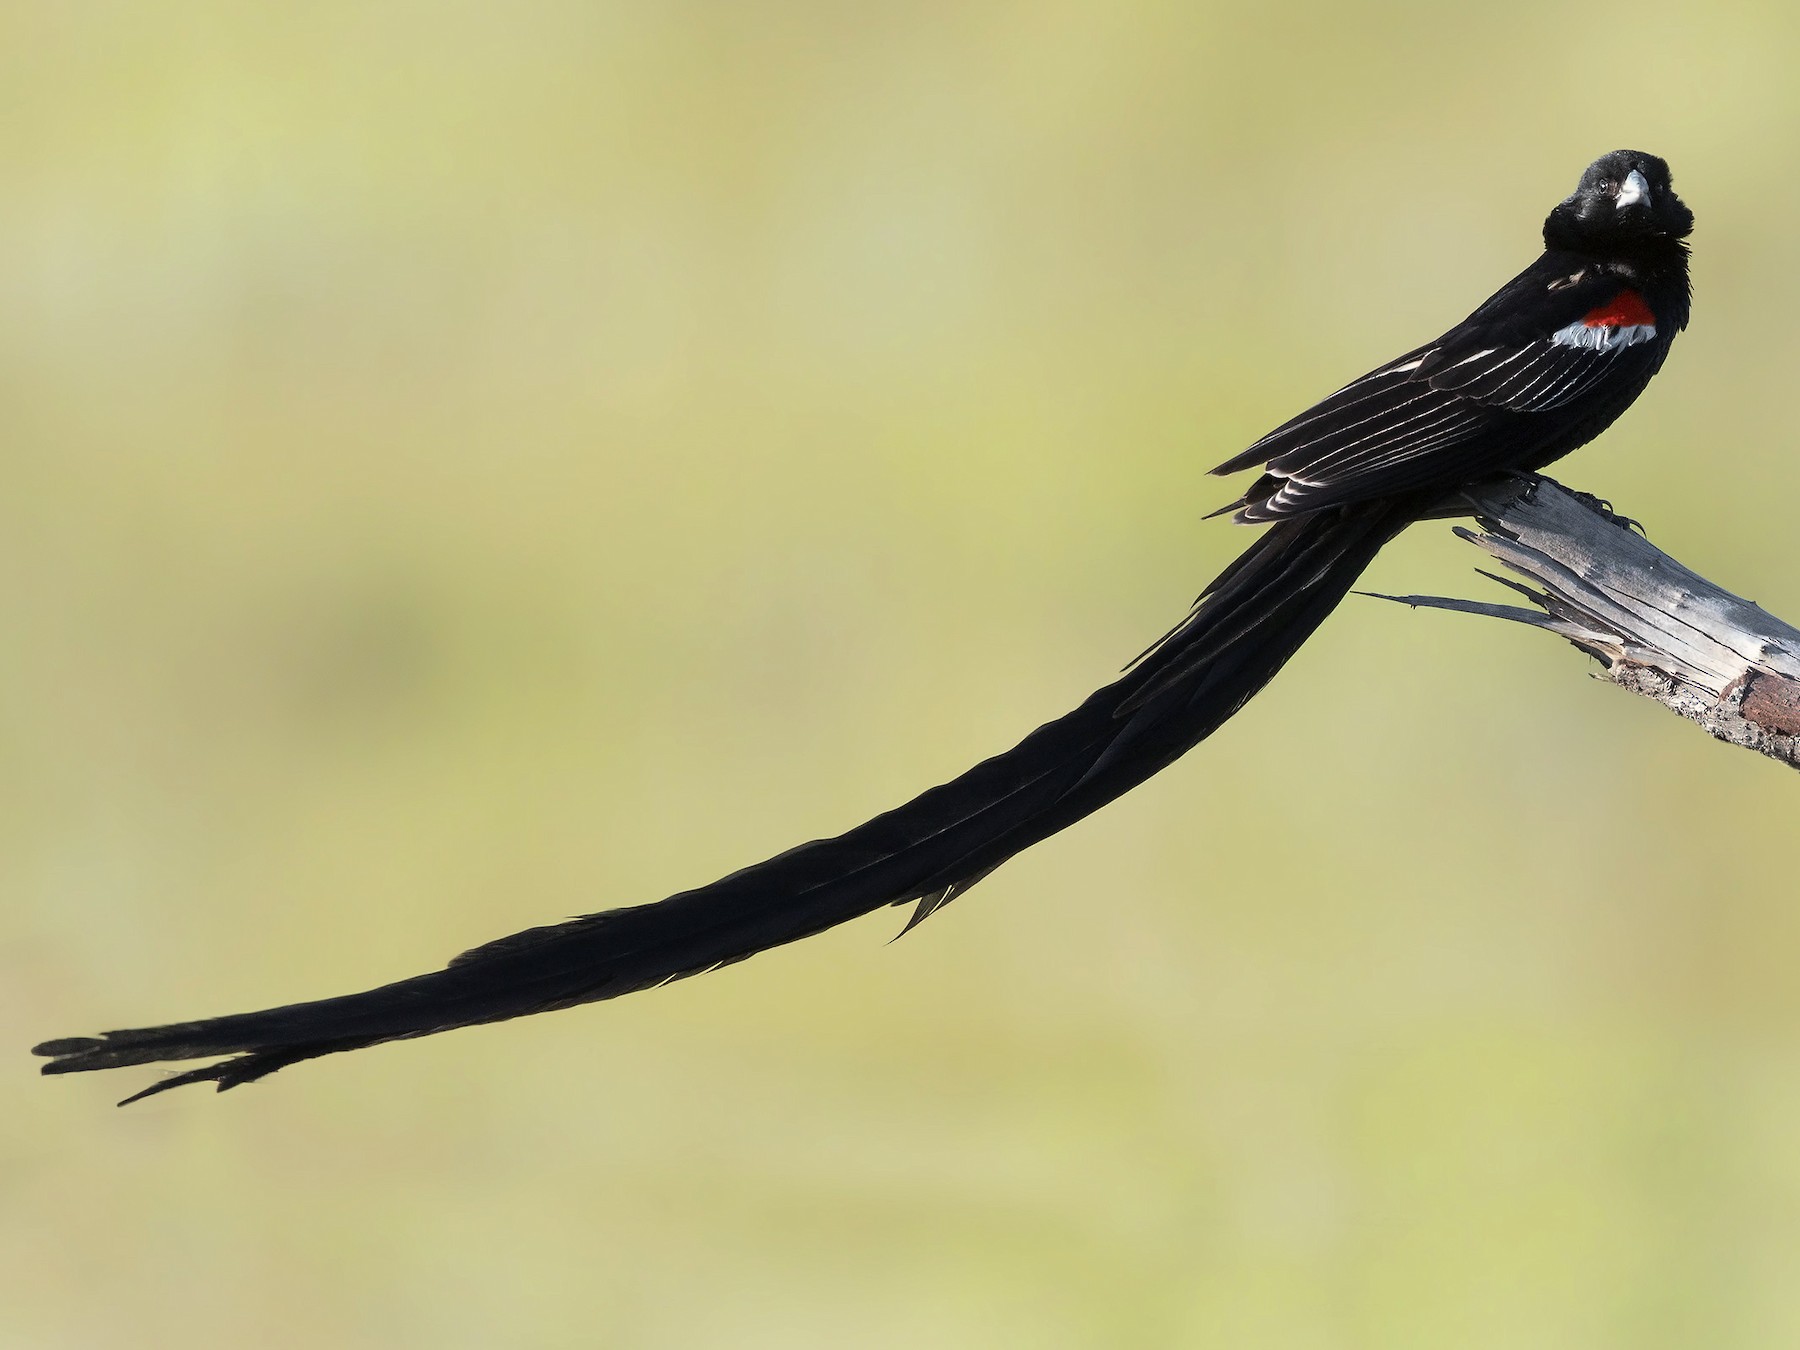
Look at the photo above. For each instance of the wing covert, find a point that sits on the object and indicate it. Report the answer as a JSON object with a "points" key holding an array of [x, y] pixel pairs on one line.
{"points": [[1462, 407]]}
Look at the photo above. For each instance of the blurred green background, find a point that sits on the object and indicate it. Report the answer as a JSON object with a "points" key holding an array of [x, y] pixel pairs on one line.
{"points": [[468, 465]]}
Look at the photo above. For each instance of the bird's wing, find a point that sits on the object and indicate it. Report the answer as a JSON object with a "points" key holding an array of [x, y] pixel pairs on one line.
{"points": [[1458, 408]]}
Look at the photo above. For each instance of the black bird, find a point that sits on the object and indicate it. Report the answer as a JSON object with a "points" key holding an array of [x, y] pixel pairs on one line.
{"points": [[1540, 368]]}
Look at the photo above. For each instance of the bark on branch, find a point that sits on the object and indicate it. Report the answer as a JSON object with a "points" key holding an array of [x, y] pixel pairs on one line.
{"points": [[1658, 629]]}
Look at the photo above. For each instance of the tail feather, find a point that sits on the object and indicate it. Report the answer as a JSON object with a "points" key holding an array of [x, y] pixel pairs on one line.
{"points": [[1239, 634]]}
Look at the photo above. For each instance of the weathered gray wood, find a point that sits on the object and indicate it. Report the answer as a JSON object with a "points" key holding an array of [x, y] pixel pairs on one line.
{"points": [[1657, 628]]}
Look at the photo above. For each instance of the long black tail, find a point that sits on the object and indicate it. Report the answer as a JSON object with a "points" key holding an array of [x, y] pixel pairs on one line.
{"points": [[1244, 628]]}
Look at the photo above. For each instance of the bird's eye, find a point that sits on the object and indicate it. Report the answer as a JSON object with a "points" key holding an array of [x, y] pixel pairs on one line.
{"points": [[1608, 186]]}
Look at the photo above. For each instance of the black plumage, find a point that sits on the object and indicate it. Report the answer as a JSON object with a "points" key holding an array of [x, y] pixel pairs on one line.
{"points": [[1542, 367]]}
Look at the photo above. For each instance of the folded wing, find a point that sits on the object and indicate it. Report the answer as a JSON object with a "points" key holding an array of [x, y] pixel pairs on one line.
{"points": [[1468, 405]]}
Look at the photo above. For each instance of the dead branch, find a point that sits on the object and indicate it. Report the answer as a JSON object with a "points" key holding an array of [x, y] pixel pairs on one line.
{"points": [[1657, 628]]}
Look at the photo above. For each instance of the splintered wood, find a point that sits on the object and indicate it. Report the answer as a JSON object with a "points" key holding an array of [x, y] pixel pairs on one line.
{"points": [[1657, 628]]}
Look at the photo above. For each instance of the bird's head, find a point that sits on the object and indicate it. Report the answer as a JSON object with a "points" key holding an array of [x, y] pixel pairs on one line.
{"points": [[1624, 199]]}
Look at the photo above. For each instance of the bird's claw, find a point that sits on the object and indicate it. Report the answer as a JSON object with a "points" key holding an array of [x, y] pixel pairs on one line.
{"points": [[1529, 483], [1604, 509]]}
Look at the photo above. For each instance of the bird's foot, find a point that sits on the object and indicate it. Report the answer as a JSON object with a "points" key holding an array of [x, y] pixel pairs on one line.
{"points": [[1528, 482], [1604, 509], [1471, 498]]}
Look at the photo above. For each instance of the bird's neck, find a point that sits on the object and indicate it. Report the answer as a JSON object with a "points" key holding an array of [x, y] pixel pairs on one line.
{"points": [[1657, 268]]}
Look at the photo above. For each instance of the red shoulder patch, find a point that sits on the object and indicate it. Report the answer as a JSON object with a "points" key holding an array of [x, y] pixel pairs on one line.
{"points": [[1624, 310]]}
